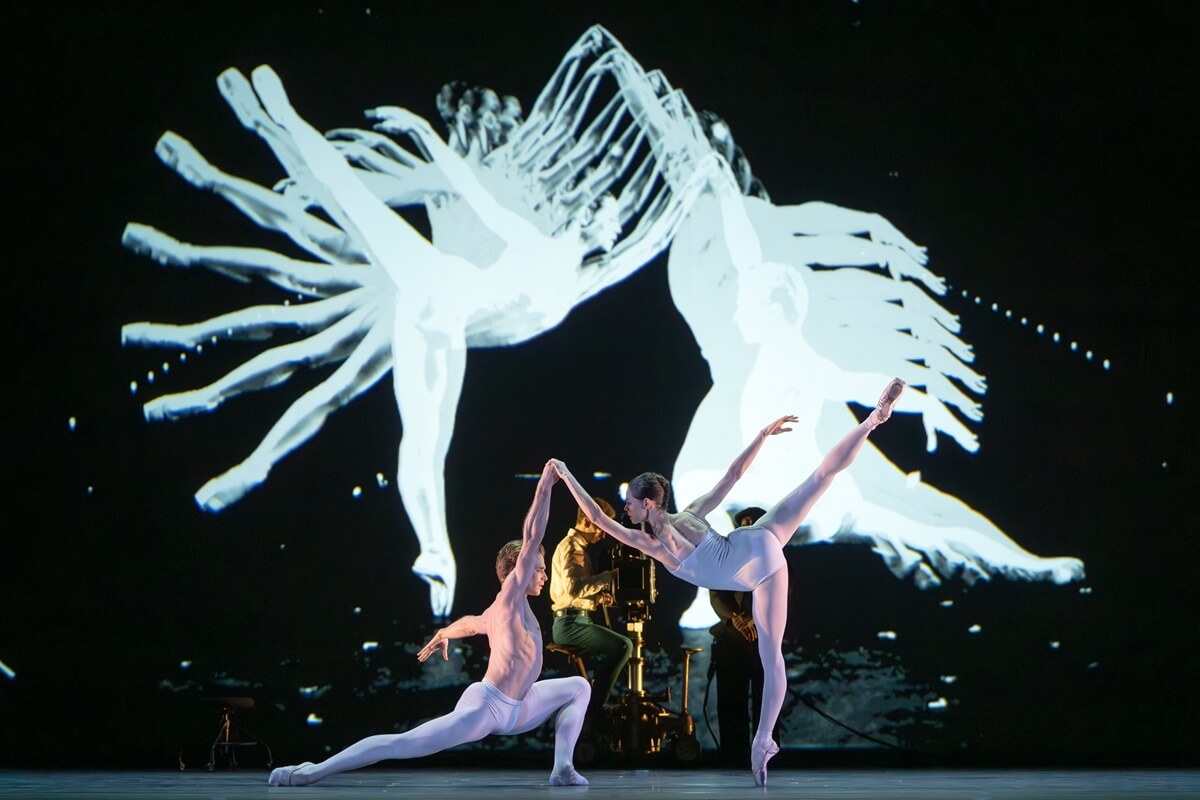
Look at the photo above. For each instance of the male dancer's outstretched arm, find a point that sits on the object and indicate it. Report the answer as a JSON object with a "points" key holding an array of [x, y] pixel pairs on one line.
{"points": [[459, 629]]}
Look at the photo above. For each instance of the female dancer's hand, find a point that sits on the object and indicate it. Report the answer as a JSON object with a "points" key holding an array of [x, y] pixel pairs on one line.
{"points": [[779, 426], [439, 642]]}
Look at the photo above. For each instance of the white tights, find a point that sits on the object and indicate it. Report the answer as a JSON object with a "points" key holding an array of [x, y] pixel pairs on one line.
{"points": [[770, 596], [482, 710]]}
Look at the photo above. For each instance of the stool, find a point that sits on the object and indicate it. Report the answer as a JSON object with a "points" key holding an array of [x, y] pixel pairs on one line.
{"points": [[226, 740], [573, 654]]}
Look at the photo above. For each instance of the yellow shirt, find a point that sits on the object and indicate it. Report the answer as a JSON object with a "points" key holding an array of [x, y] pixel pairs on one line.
{"points": [[572, 584]]}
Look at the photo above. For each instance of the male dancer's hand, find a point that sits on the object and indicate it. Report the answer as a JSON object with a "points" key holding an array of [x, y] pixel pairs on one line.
{"points": [[439, 642]]}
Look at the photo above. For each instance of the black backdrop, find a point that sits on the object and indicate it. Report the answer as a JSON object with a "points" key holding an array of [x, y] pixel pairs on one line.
{"points": [[1045, 153]]}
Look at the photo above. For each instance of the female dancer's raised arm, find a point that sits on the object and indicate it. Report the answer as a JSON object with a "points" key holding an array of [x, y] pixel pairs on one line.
{"points": [[707, 502], [632, 537]]}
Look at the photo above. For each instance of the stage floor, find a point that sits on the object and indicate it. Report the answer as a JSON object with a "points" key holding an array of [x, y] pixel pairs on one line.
{"points": [[606, 784]]}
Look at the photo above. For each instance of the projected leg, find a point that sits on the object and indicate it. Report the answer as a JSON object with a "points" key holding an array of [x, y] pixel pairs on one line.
{"points": [[359, 372]]}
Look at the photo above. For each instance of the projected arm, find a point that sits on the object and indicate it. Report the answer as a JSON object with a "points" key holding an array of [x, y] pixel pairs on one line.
{"points": [[458, 175], [362, 369]]}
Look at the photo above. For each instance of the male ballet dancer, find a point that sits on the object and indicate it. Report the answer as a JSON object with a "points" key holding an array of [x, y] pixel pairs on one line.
{"points": [[509, 699]]}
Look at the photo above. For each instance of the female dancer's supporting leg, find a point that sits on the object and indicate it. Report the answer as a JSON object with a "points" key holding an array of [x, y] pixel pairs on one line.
{"points": [[770, 618], [770, 597]]}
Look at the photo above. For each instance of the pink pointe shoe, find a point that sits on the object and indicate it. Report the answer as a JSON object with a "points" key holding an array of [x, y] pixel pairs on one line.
{"points": [[883, 409], [759, 756], [289, 776]]}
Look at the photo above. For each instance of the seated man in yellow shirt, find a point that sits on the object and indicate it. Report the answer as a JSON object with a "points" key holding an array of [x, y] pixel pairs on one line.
{"points": [[576, 596]]}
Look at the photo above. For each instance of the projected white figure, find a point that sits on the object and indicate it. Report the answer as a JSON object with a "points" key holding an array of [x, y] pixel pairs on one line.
{"points": [[780, 335], [513, 238]]}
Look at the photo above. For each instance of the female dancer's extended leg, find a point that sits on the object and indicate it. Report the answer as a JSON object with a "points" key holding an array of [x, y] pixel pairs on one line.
{"points": [[785, 517]]}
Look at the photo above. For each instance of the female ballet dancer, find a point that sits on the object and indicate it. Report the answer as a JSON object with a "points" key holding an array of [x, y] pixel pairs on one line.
{"points": [[749, 559], [510, 698]]}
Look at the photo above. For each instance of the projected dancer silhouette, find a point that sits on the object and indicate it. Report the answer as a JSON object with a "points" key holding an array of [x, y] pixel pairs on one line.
{"points": [[386, 297], [749, 559], [510, 699], [836, 295]]}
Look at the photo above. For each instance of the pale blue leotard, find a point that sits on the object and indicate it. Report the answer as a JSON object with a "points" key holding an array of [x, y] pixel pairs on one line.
{"points": [[739, 562]]}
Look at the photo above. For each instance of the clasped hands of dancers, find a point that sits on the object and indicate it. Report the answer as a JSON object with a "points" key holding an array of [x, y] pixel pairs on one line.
{"points": [[511, 700]]}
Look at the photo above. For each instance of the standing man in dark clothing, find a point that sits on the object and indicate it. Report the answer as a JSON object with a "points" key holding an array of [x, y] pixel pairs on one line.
{"points": [[577, 596]]}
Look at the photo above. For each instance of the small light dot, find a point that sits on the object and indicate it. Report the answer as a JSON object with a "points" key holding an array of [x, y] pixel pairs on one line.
{"points": [[995, 306], [282, 546], [1056, 337], [1041, 328], [150, 376], [1107, 364], [166, 367], [1170, 402], [1074, 346], [199, 349], [976, 628], [356, 492], [1089, 355], [1024, 320], [1055, 645], [1008, 313], [71, 420], [183, 358], [133, 387], [91, 490], [978, 299]]}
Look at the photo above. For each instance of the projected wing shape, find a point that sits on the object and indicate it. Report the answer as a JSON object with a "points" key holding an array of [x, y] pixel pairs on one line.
{"points": [[804, 309]]}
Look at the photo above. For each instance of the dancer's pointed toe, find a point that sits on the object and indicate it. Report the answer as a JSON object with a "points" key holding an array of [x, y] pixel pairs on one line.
{"points": [[887, 400], [760, 754], [289, 776], [568, 777]]}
